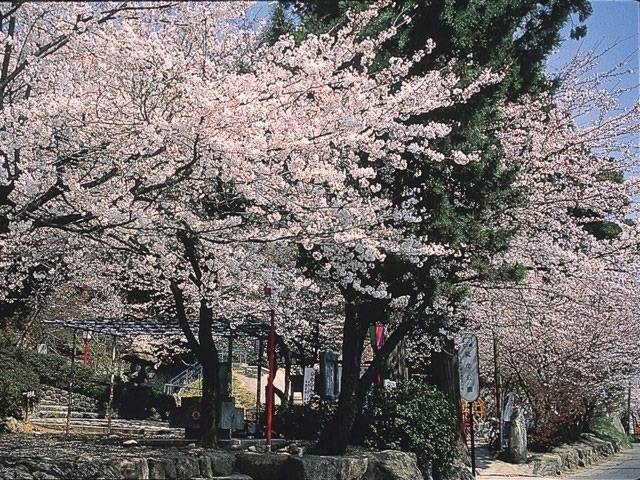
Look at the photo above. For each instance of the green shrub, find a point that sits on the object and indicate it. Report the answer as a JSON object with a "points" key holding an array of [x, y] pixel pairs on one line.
{"points": [[413, 417], [53, 370], [15, 379], [603, 429], [303, 422]]}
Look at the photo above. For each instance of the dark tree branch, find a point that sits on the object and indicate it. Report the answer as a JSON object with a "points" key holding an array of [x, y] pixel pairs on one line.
{"points": [[184, 322]]}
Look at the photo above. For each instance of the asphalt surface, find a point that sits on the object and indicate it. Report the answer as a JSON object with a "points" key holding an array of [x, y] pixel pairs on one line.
{"points": [[624, 466]]}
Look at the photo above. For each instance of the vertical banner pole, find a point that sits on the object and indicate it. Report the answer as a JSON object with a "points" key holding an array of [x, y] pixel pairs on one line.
{"points": [[272, 373], [630, 429], [473, 443]]}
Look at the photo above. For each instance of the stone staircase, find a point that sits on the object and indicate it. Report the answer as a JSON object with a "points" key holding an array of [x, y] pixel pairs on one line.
{"points": [[54, 403]]}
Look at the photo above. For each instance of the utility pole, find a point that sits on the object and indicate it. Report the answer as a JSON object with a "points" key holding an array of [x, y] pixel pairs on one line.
{"points": [[259, 387], [71, 375], [629, 421], [498, 382]]}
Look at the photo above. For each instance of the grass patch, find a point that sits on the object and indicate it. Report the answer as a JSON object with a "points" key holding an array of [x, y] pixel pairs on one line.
{"points": [[244, 398], [603, 429]]}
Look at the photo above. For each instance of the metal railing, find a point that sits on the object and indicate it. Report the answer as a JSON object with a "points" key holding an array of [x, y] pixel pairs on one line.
{"points": [[183, 379]]}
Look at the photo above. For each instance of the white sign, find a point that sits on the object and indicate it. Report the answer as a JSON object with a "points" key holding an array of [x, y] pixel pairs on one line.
{"points": [[307, 384], [388, 384], [469, 373]]}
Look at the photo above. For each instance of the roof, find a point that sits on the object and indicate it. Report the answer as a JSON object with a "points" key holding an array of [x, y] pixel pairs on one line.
{"points": [[129, 327]]}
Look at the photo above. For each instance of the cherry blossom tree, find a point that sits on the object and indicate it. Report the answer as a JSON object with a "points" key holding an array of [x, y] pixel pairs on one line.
{"points": [[566, 332], [171, 153]]}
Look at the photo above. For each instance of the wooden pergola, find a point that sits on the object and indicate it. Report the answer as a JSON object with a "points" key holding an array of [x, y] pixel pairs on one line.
{"points": [[131, 327]]}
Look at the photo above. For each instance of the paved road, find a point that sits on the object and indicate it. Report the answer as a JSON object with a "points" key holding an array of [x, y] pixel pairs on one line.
{"points": [[625, 466]]}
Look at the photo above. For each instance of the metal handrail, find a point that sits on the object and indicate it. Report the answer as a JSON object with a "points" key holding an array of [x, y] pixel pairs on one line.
{"points": [[184, 378]]}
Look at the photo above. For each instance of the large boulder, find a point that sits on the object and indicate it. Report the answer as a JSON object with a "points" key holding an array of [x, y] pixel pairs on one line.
{"points": [[458, 470], [392, 465], [161, 468], [314, 467], [187, 467], [220, 463], [516, 451], [9, 425], [112, 468], [262, 466], [548, 464]]}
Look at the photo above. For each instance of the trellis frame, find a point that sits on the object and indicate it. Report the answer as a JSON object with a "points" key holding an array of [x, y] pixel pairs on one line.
{"points": [[118, 328]]}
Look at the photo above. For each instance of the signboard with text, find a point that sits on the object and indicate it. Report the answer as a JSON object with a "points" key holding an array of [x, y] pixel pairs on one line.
{"points": [[469, 367], [307, 384]]}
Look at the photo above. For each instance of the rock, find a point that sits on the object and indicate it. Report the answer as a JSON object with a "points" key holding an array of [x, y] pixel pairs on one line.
{"points": [[187, 467], [516, 451], [161, 468], [569, 457], [20, 474], [235, 476], [457, 471], [251, 448], [314, 467], [130, 443], [191, 445], [222, 463], [205, 466], [135, 468], [392, 465], [548, 464], [43, 476], [9, 425], [262, 466]]}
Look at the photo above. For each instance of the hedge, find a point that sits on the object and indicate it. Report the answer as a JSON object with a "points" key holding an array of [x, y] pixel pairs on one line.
{"points": [[22, 370]]}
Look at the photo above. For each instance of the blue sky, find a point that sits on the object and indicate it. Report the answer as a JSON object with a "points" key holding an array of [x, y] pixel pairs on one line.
{"points": [[612, 22]]}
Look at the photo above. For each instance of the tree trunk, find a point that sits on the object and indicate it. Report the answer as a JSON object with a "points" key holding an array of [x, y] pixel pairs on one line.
{"points": [[445, 377], [395, 367], [210, 404], [335, 437], [392, 343], [286, 354]]}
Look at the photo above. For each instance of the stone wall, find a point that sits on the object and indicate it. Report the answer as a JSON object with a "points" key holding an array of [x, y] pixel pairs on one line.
{"points": [[387, 465], [81, 403], [587, 451], [53, 404]]}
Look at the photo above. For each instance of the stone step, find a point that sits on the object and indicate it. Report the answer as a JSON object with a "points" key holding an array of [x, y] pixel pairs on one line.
{"points": [[52, 406], [63, 408], [99, 427], [63, 413], [235, 476], [55, 405]]}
